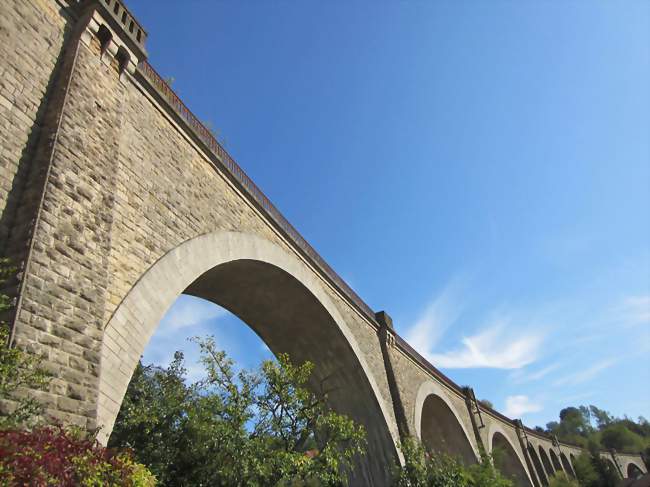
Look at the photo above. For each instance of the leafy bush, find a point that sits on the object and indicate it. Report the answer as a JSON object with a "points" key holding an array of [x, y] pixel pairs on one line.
{"points": [[55, 456], [592, 471], [247, 428], [427, 469], [561, 480]]}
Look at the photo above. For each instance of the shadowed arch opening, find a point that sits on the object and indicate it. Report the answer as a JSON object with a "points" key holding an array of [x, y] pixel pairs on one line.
{"points": [[633, 471], [441, 432], [568, 467], [507, 461], [557, 467], [440, 426], [545, 461], [281, 300], [612, 465], [541, 474]]}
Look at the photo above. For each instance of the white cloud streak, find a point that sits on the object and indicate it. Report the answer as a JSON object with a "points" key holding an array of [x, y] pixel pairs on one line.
{"points": [[636, 310], [521, 377], [188, 311], [517, 406], [584, 375], [437, 317], [497, 346]]}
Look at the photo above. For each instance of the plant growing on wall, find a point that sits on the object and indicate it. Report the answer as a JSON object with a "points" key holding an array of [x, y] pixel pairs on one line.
{"points": [[19, 370]]}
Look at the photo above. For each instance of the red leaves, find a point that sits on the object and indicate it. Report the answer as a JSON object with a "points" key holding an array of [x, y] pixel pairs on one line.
{"points": [[52, 455]]}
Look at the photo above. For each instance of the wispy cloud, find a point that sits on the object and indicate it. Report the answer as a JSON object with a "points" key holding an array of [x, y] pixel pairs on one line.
{"points": [[517, 406], [498, 346], [564, 400], [585, 375], [189, 311], [520, 376], [188, 316], [635, 310], [437, 317]]}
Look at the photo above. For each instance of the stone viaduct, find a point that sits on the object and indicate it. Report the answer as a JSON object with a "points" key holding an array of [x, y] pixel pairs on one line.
{"points": [[115, 199]]}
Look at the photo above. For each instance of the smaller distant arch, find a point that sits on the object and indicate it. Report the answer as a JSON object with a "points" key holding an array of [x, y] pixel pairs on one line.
{"points": [[611, 463], [541, 474], [506, 457], [545, 461], [568, 467], [440, 427], [633, 471], [557, 466]]}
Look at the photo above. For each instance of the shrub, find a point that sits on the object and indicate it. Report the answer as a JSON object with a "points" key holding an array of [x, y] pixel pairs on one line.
{"points": [[428, 469], [561, 480], [55, 456]]}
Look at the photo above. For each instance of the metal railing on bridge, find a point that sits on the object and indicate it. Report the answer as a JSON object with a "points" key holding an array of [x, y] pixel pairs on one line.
{"points": [[206, 136]]}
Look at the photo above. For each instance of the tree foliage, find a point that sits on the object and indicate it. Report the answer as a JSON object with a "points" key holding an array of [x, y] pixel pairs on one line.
{"points": [[562, 480], [263, 427], [53, 455], [589, 425], [423, 468]]}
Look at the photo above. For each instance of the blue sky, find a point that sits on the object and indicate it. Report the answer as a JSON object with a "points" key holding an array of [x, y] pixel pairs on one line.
{"points": [[479, 170]]}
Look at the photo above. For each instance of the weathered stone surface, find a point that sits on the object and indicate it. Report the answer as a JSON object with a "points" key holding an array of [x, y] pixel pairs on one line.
{"points": [[111, 208]]}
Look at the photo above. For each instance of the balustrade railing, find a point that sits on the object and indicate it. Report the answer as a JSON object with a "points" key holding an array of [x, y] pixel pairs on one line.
{"points": [[247, 183]]}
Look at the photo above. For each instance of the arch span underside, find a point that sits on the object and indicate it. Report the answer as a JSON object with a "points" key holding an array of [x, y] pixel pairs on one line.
{"points": [[280, 300], [633, 471], [557, 466], [568, 467], [440, 427], [507, 460], [539, 468], [546, 462]]}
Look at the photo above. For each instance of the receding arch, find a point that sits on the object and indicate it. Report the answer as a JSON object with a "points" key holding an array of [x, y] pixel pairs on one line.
{"points": [[608, 459], [541, 473], [280, 299], [557, 466], [633, 471], [568, 467], [440, 427], [546, 462], [506, 457]]}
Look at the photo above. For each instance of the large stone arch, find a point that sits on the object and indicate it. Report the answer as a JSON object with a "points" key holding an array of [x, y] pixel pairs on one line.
{"points": [[545, 461], [439, 425], [507, 459], [280, 299]]}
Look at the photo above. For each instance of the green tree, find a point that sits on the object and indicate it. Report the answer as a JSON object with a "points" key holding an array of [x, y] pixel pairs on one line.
{"points": [[592, 471], [619, 437], [246, 428]]}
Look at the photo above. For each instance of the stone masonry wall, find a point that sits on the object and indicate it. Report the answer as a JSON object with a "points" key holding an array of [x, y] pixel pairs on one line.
{"points": [[126, 186], [31, 38]]}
